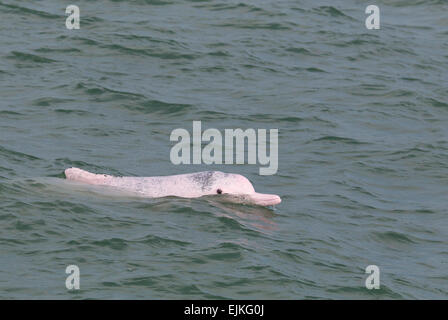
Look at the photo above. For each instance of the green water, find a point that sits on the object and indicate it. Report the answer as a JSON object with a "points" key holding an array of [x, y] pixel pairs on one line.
{"points": [[363, 153]]}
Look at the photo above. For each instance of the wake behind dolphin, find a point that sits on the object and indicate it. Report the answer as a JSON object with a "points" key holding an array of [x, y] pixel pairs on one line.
{"points": [[235, 187]]}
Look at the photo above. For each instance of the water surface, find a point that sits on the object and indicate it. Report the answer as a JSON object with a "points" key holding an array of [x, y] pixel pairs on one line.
{"points": [[363, 152]]}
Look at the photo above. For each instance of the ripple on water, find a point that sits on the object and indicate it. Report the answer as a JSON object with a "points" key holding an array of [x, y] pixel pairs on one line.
{"points": [[28, 57]]}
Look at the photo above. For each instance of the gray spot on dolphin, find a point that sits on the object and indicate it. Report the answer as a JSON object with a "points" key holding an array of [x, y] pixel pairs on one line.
{"points": [[204, 179]]}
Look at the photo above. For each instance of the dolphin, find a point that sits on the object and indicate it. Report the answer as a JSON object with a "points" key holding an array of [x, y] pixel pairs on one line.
{"points": [[232, 187]]}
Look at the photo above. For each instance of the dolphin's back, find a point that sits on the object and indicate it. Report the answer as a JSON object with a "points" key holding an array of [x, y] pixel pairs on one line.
{"points": [[178, 185]]}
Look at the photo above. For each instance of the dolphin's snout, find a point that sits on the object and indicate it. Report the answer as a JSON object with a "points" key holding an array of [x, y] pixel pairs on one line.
{"points": [[265, 199]]}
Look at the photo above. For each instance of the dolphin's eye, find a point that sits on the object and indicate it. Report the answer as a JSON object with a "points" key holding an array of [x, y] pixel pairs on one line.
{"points": [[219, 191]]}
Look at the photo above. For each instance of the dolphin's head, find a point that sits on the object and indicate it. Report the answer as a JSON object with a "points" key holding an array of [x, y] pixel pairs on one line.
{"points": [[237, 188]]}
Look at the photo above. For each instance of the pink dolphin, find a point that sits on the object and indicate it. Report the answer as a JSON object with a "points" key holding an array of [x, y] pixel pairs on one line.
{"points": [[234, 187]]}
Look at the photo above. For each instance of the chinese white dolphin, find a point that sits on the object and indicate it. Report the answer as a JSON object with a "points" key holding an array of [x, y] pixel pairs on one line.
{"points": [[229, 186]]}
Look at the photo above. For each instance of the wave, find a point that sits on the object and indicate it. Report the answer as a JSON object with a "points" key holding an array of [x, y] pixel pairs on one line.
{"points": [[28, 57], [28, 11]]}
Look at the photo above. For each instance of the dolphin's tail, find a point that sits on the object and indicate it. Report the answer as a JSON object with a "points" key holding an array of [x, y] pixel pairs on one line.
{"points": [[80, 175]]}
